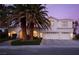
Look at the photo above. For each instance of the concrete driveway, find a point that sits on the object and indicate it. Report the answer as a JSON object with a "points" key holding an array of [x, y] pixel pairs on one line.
{"points": [[60, 42]]}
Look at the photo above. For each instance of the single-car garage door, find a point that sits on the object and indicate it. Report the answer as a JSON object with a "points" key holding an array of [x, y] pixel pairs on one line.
{"points": [[66, 36], [50, 36]]}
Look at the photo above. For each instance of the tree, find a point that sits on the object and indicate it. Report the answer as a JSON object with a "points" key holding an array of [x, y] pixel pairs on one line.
{"points": [[37, 17], [30, 16], [19, 14], [3, 18], [3, 15], [75, 25]]}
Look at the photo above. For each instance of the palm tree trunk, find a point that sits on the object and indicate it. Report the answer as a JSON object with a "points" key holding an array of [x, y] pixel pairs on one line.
{"points": [[31, 30], [23, 27], [31, 34]]}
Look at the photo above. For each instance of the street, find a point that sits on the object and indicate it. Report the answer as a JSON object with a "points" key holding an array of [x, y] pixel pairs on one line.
{"points": [[68, 47]]}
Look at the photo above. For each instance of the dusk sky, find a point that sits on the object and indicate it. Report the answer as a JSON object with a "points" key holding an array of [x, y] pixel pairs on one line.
{"points": [[60, 11]]}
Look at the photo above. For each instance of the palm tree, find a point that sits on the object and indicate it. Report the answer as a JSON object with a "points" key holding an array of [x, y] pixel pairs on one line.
{"points": [[19, 14], [2, 14], [37, 17], [3, 18], [30, 16]]}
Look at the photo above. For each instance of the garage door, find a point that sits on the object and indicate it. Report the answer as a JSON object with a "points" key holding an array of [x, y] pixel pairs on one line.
{"points": [[50, 36], [65, 36], [58, 36]]}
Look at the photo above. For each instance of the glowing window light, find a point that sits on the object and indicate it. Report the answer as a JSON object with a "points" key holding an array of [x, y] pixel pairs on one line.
{"points": [[13, 32], [41, 34], [35, 33], [9, 34], [52, 22], [20, 35]]}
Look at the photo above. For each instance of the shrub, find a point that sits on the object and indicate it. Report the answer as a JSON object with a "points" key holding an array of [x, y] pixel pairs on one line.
{"points": [[37, 38], [76, 37], [3, 37], [26, 42]]}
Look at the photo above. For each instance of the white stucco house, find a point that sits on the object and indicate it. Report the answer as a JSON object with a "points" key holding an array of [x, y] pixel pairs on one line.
{"points": [[61, 29]]}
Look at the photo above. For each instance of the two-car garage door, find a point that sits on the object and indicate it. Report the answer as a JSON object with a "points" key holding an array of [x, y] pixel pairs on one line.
{"points": [[59, 36]]}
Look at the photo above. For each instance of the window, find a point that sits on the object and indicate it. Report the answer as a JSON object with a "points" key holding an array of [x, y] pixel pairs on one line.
{"points": [[11, 33], [35, 33], [64, 23], [52, 22], [41, 34], [65, 32], [52, 32], [20, 35], [55, 32]]}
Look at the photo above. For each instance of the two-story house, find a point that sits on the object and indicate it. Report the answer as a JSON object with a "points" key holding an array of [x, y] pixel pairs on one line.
{"points": [[61, 29]]}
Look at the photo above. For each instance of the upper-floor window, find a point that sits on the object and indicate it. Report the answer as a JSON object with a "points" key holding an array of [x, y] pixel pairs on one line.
{"points": [[64, 23], [52, 22]]}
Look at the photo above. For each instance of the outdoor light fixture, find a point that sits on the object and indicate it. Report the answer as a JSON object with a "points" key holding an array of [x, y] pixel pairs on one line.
{"points": [[71, 35]]}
